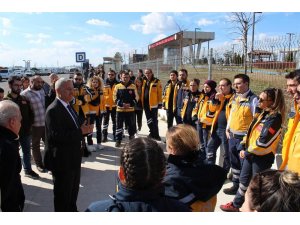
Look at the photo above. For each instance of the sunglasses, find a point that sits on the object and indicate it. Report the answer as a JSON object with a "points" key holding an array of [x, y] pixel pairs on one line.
{"points": [[263, 100]]}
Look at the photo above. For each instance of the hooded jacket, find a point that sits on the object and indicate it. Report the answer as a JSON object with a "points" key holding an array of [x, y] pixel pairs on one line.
{"points": [[189, 181], [128, 200]]}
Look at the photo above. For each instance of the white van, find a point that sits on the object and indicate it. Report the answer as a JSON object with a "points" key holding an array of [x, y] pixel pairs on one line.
{"points": [[5, 74], [18, 73]]}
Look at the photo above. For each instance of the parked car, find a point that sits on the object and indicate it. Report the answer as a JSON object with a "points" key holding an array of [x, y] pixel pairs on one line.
{"points": [[44, 72], [19, 73], [5, 74], [29, 73]]}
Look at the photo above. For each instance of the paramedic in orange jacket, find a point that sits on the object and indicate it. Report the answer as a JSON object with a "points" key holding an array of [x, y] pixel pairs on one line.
{"points": [[169, 98], [96, 109], [220, 106], [125, 96], [152, 101], [243, 110], [204, 116], [293, 80], [189, 103], [110, 105], [259, 147], [180, 90], [81, 93]]}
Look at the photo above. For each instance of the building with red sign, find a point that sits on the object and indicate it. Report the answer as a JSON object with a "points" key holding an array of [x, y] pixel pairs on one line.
{"points": [[173, 45]]}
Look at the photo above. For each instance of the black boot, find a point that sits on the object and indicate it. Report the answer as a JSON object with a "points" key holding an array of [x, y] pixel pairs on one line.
{"points": [[104, 139]]}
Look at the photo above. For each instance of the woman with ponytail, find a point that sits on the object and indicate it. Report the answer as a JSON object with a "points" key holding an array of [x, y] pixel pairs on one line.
{"points": [[273, 191], [259, 146]]}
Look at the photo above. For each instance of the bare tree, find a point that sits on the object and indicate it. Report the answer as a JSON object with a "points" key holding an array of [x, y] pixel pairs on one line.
{"points": [[241, 22]]}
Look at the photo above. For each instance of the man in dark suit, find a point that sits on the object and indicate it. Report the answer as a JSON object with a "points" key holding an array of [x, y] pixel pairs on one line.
{"points": [[62, 148], [12, 196]]}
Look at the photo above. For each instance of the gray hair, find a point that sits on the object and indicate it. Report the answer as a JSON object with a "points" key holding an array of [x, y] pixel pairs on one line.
{"points": [[60, 82], [8, 110]]}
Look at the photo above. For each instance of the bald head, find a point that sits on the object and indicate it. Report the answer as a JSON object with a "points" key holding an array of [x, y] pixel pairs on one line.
{"points": [[10, 115]]}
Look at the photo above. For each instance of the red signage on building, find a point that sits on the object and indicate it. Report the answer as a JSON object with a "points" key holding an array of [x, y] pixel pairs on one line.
{"points": [[163, 41]]}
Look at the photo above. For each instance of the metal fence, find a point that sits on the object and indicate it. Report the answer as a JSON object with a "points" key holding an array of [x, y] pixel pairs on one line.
{"points": [[270, 59]]}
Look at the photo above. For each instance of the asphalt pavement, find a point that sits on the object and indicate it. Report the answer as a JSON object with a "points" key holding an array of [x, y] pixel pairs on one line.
{"points": [[98, 173], [98, 177]]}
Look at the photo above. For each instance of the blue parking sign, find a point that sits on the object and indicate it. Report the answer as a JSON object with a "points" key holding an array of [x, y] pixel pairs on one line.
{"points": [[80, 56]]}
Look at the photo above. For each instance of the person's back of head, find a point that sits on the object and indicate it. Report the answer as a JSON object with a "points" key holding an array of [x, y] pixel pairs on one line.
{"points": [[183, 139], [143, 164], [10, 116], [274, 191]]}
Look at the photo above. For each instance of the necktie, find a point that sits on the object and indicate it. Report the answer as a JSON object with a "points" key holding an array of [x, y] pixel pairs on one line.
{"points": [[74, 115]]}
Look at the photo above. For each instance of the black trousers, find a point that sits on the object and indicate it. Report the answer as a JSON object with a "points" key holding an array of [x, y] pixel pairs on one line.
{"points": [[152, 121], [66, 188], [98, 120], [129, 119], [170, 117], [112, 114], [139, 117]]}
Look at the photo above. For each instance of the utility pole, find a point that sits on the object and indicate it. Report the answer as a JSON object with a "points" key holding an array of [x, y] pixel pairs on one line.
{"points": [[289, 52], [252, 42], [195, 44], [245, 45], [233, 58], [272, 52]]}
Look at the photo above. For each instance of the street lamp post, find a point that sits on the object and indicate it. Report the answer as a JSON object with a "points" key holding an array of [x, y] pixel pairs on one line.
{"points": [[290, 39], [195, 44], [252, 41], [26, 63], [272, 52]]}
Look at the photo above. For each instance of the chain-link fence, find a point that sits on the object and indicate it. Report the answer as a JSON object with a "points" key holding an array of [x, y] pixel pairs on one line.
{"points": [[266, 62]]}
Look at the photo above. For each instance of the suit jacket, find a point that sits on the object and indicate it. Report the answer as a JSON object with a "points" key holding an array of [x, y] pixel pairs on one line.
{"points": [[63, 139]]}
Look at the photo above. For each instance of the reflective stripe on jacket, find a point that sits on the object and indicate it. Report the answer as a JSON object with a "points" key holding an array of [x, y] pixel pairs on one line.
{"points": [[264, 134], [240, 114], [108, 91], [166, 95], [291, 144], [125, 95], [155, 93], [217, 105], [205, 116]]}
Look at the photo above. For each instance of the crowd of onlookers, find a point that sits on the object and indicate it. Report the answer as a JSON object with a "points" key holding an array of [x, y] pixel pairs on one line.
{"points": [[249, 127]]}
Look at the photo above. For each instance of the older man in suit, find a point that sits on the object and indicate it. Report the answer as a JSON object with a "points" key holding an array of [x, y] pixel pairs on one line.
{"points": [[63, 143]]}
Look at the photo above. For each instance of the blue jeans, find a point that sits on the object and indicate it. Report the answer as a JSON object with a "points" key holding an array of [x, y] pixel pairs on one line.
{"points": [[178, 116], [203, 136], [218, 138], [25, 142], [235, 160], [251, 166]]}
